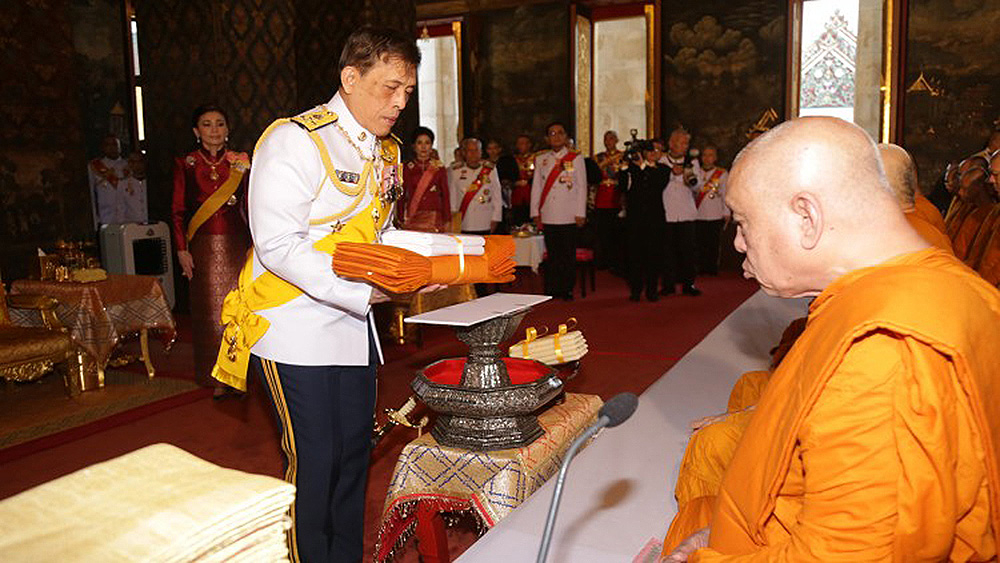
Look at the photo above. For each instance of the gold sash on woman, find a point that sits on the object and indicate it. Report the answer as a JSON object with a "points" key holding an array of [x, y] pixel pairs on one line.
{"points": [[243, 326], [218, 198]]}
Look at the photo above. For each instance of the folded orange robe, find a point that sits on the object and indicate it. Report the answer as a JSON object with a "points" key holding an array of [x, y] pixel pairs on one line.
{"points": [[402, 271], [967, 231], [876, 439], [928, 231], [929, 212], [986, 230]]}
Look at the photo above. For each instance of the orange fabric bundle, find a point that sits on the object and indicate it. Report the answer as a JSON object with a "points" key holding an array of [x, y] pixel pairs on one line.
{"points": [[402, 271], [496, 265]]}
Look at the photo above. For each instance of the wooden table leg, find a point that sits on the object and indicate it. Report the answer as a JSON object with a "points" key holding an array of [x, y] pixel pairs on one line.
{"points": [[432, 541], [144, 346]]}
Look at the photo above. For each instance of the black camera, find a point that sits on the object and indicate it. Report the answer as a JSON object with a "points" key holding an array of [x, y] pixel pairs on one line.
{"points": [[690, 178], [635, 148]]}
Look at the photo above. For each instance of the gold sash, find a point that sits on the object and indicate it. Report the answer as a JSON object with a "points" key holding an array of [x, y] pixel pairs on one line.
{"points": [[218, 198], [243, 326]]}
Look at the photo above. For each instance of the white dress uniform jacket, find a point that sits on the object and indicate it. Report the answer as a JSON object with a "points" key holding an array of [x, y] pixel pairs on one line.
{"points": [[132, 207], [485, 207], [107, 200], [678, 198], [567, 199], [291, 200], [713, 209]]}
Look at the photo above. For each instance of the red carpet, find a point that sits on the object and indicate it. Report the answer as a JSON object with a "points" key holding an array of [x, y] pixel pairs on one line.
{"points": [[631, 345]]}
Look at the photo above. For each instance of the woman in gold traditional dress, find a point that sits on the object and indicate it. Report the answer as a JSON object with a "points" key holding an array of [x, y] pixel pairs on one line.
{"points": [[209, 229]]}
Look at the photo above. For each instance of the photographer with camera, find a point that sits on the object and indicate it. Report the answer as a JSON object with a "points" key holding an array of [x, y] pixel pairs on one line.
{"points": [[680, 213], [642, 181]]}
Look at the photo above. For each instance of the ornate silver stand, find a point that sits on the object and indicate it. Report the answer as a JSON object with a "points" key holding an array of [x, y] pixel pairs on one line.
{"points": [[486, 411]]}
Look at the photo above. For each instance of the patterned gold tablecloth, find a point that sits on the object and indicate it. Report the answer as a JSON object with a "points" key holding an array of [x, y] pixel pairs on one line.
{"points": [[98, 314], [487, 484]]}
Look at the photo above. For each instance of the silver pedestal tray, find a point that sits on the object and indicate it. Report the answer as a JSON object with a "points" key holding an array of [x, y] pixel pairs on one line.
{"points": [[486, 411]]}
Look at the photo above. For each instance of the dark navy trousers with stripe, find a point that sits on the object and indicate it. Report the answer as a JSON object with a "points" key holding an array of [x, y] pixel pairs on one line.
{"points": [[325, 414]]}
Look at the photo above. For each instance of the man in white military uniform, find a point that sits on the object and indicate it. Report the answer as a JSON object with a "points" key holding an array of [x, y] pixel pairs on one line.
{"points": [[681, 213], [559, 207], [326, 175], [475, 191], [105, 174], [712, 210]]}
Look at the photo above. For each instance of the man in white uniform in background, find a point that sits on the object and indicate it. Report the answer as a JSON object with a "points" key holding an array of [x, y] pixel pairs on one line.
{"points": [[105, 173], [559, 207], [681, 213], [475, 191]]}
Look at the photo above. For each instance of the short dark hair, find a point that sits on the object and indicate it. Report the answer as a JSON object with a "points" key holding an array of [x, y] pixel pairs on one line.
{"points": [[368, 45], [421, 130], [207, 108], [553, 124]]}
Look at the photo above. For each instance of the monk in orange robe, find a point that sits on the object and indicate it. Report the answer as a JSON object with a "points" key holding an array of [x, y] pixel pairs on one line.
{"points": [[713, 443], [985, 253], [959, 207], [901, 172], [976, 193], [928, 211], [876, 438]]}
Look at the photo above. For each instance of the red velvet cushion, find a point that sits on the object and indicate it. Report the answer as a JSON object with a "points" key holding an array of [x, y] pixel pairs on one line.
{"points": [[449, 372]]}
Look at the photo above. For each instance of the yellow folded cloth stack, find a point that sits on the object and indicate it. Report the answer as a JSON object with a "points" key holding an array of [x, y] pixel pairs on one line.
{"points": [[559, 348], [158, 504], [88, 275]]}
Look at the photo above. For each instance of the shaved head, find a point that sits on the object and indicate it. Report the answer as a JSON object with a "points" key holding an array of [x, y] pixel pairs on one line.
{"points": [[812, 202], [901, 173]]}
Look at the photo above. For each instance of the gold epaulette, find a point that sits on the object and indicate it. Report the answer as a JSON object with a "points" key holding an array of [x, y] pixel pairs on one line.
{"points": [[312, 120]]}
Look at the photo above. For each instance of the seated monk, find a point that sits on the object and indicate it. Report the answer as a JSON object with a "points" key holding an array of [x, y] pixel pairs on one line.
{"points": [[902, 175], [926, 209], [975, 193], [876, 437], [959, 208], [988, 261], [712, 445], [979, 244]]}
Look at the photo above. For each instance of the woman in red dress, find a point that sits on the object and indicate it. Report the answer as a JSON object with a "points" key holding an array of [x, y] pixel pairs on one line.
{"points": [[425, 205], [209, 229]]}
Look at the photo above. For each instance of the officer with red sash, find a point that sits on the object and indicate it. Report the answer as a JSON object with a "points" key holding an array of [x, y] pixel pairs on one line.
{"points": [[475, 191], [559, 207]]}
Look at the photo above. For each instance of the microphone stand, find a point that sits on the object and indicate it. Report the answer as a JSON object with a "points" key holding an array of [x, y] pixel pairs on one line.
{"points": [[550, 521]]}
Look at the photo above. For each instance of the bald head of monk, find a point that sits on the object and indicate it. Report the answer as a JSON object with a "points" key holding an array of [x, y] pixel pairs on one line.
{"points": [[901, 173], [973, 187], [811, 203]]}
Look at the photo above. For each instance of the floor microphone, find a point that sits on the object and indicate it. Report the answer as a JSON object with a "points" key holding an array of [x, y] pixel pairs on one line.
{"points": [[614, 412]]}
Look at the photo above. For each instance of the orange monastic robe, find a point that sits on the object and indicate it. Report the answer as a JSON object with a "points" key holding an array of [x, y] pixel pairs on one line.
{"points": [[961, 241], [956, 210], [986, 230], [875, 439], [928, 231], [928, 211], [989, 263]]}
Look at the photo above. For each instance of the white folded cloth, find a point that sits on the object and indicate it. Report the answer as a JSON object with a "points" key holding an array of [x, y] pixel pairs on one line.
{"points": [[435, 244]]}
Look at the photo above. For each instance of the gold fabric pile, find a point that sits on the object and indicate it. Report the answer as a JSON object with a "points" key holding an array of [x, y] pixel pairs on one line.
{"points": [[156, 504]]}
